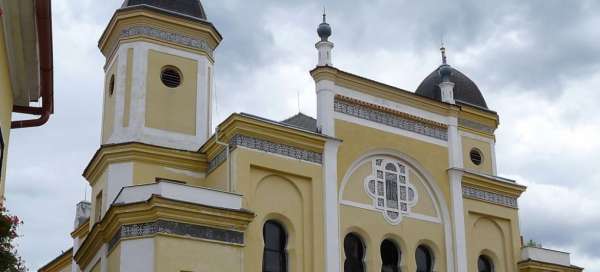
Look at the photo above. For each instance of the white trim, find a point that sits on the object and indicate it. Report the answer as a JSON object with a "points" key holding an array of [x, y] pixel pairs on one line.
{"points": [[391, 105], [136, 131], [137, 255], [185, 172], [181, 192], [455, 157], [118, 176], [416, 216], [430, 184], [325, 104], [332, 218], [382, 127], [99, 257]]}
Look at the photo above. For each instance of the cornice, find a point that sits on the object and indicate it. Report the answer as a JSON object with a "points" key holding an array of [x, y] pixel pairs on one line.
{"points": [[239, 124], [491, 184], [59, 262], [82, 230], [155, 209], [134, 151], [379, 89]]}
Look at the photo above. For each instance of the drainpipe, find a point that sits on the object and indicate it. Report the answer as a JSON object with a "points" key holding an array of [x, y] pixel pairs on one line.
{"points": [[44, 33], [226, 145]]}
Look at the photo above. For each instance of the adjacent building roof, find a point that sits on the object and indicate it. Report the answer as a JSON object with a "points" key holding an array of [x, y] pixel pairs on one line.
{"points": [[465, 90], [191, 8], [302, 121]]}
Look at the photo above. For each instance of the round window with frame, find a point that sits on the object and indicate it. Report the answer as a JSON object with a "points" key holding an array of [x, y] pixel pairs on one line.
{"points": [[390, 189], [171, 76], [476, 156]]}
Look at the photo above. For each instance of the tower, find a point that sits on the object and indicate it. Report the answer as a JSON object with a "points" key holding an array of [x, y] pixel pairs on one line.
{"points": [[159, 72]]}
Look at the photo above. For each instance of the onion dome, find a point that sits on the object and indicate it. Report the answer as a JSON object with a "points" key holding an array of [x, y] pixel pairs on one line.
{"points": [[465, 90], [324, 29], [191, 8]]}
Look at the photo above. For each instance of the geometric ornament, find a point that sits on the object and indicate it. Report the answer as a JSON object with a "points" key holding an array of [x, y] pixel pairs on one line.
{"points": [[390, 189]]}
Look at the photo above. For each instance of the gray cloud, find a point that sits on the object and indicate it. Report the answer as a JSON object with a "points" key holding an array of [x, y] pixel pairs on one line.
{"points": [[537, 63]]}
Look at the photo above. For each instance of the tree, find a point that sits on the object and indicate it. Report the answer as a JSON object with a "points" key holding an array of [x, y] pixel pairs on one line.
{"points": [[9, 259]]}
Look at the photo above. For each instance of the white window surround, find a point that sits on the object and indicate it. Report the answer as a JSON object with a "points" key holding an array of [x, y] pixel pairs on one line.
{"points": [[390, 188]]}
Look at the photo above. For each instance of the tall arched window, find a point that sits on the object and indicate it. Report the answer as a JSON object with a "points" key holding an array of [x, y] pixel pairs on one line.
{"points": [[424, 259], [355, 253], [484, 264], [390, 257], [274, 255]]}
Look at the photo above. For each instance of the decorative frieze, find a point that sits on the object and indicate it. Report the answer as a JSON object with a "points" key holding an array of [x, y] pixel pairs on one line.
{"points": [[474, 193], [217, 160], [166, 36], [176, 228], [276, 148], [388, 118], [475, 126]]}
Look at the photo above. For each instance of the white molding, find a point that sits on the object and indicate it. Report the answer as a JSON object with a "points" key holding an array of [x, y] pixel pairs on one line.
{"points": [[455, 157], [416, 216], [137, 255], [382, 127], [181, 192], [431, 186], [99, 257], [332, 218], [118, 176], [137, 130], [391, 105]]}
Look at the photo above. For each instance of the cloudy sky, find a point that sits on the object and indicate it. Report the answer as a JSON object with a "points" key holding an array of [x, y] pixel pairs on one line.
{"points": [[537, 63]]}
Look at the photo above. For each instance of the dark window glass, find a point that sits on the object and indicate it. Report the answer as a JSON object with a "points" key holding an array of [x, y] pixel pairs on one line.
{"points": [[476, 156], [484, 264], [390, 257], [424, 259], [274, 255], [355, 253]]}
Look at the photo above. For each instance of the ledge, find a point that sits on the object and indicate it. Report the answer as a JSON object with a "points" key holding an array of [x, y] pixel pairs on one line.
{"points": [[179, 192]]}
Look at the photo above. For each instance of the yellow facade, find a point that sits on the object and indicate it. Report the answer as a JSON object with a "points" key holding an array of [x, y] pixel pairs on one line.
{"points": [[379, 163]]}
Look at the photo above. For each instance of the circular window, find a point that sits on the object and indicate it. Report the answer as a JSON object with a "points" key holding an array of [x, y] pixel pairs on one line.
{"points": [[171, 77], [476, 156], [111, 85]]}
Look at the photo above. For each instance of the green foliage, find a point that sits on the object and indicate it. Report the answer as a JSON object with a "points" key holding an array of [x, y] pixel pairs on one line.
{"points": [[9, 259]]}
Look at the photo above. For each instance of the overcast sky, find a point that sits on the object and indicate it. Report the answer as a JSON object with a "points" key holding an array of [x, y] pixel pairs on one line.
{"points": [[536, 62]]}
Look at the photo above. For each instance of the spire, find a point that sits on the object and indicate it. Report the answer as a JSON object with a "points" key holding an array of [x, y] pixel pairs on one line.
{"points": [[445, 71], [443, 50]]}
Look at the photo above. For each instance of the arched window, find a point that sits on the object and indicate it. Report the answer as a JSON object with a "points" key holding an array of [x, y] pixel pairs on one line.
{"points": [[484, 264], [390, 257], [355, 253], [274, 255], [424, 259]]}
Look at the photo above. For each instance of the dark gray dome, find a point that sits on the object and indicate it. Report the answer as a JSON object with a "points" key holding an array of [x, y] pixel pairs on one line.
{"points": [[465, 89], [192, 8]]}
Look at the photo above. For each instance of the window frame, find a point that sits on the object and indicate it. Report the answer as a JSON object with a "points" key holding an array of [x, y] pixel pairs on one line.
{"points": [[363, 247], [282, 251], [398, 266], [431, 256], [487, 259]]}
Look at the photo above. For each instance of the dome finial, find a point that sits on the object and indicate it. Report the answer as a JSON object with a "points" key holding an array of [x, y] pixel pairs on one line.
{"points": [[443, 50], [324, 29]]}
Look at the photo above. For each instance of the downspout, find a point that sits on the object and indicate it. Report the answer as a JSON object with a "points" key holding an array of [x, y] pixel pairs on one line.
{"points": [[44, 33], [226, 145]]}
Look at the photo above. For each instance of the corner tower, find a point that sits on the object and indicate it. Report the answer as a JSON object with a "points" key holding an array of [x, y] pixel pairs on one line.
{"points": [[159, 74]]}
